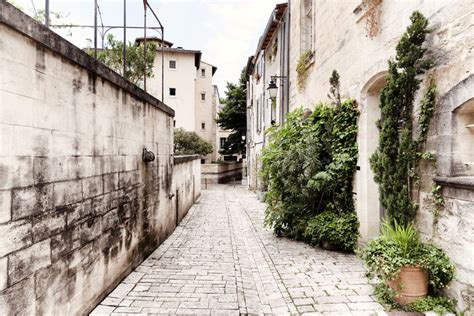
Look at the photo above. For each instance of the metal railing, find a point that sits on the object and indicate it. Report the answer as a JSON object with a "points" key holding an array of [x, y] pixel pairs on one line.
{"points": [[104, 29]]}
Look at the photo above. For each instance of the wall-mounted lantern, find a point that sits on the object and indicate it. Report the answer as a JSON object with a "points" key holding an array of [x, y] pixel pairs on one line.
{"points": [[272, 87], [148, 156]]}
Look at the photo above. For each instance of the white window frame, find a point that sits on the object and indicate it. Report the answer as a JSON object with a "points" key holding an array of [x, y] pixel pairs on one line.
{"points": [[307, 27]]}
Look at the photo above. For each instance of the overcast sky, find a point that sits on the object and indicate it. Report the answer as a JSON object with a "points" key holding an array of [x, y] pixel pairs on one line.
{"points": [[226, 31]]}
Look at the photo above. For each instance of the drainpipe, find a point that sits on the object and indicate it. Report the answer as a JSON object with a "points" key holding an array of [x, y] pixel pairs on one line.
{"points": [[264, 97], [124, 50], [46, 13], [288, 28]]}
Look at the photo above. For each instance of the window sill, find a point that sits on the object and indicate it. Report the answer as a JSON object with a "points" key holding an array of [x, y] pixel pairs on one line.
{"points": [[465, 182]]}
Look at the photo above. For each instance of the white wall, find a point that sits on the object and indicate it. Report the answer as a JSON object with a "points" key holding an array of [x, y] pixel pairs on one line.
{"points": [[183, 79], [205, 110]]}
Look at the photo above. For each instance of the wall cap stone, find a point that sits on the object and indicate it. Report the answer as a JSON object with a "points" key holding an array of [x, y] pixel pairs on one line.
{"points": [[185, 158], [22, 23], [463, 182]]}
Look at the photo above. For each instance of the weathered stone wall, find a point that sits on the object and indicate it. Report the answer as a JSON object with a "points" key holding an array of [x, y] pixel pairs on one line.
{"points": [[221, 173], [187, 183], [79, 209], [341, 42], [453, 227]]}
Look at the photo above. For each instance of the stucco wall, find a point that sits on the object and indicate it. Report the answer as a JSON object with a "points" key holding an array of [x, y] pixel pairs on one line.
{"points": [[183, 79], [205, 110], [79, 209]]}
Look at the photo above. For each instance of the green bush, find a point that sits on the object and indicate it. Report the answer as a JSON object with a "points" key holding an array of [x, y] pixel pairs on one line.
{"points": [[308, 165], [439, 304], [339, 230], [190, 143]]}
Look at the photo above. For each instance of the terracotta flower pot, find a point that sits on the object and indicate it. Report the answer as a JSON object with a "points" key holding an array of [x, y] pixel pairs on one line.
{"points": [[411, 284]]}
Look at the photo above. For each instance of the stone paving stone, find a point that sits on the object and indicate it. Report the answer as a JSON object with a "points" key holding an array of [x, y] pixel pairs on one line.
{"points": [[221, 260]]}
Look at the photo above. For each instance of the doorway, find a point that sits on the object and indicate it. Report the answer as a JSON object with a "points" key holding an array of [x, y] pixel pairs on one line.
{"points": [[368, 207]]}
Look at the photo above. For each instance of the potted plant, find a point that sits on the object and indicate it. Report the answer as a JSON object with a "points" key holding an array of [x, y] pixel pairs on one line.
{"points": [[410, 267]]}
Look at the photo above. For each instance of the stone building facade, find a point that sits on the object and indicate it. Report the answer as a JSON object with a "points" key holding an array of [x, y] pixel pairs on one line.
{"points": [[337, 35], [270, 62], [79, 207]]}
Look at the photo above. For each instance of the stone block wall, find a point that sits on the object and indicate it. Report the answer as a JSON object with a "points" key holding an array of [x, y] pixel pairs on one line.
{"points": [[341, 42], [187, 183], [79, 209], [221, 173]]}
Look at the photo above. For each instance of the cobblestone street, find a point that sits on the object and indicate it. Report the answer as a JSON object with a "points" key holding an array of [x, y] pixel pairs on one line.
{"points": [[222, 261]]}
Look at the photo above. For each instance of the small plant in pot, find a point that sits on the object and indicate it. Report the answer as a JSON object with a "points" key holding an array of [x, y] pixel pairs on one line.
{"points": [[410, 267]]}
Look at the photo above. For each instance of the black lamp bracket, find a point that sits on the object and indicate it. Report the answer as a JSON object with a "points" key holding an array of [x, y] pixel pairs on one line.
{"points": [[274, 78]]}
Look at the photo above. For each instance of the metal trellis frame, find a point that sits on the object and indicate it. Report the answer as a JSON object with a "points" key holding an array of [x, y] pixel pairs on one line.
{"points": [[104, 29]]}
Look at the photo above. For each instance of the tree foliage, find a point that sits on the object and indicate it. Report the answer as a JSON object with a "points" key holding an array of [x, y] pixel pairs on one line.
{"points": [[112, 56], [335, 86], [233, 116], [395, 161], [190, 143]]}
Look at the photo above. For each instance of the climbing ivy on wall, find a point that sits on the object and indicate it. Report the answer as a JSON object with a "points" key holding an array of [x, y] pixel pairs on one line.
{"points": [[395, 162], [309, 165]]}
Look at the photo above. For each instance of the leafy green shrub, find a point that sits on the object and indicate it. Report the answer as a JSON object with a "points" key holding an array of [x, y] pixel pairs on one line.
{"points": [[309, 165], [190, 143], [438, 304], [400, 245], [339, 230]]}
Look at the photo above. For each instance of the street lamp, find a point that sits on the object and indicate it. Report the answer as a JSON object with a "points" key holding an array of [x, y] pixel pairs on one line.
{"points": [[272, 87]]}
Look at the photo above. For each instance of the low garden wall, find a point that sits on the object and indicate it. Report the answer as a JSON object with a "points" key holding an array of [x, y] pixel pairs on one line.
{"points": [[221, 172]]}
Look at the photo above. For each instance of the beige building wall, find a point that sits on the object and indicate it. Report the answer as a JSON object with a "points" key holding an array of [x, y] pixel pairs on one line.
{"points": [[183, 79], [258, 117], [205, 111], [220, 133], [194, 99], [340, 41]]}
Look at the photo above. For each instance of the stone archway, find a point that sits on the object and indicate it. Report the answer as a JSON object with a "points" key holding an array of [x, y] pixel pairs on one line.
{"points": [[368, 207]]}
